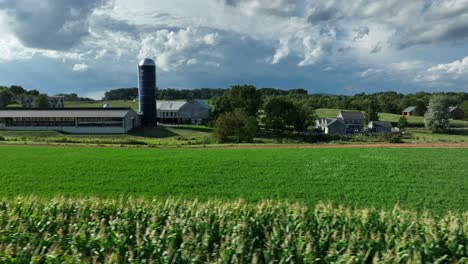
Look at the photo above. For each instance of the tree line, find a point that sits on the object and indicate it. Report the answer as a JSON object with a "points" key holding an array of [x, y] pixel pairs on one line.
{"points": [[183, 94]]}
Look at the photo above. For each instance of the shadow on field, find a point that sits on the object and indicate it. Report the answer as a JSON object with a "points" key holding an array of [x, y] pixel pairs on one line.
{"points": [[153, 132]]}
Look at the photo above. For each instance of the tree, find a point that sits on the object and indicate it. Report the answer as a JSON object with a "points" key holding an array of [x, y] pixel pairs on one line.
{"points": [[5, 97], [282, 114], [17, 90], [420, 108], [41, 101], [276, 111], [235, 126], [33, 92], [437, 115], [372, 114], [464, 107], [402, 123]]}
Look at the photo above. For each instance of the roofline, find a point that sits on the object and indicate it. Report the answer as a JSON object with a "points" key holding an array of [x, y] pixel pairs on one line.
{"points": [[65, 109]]}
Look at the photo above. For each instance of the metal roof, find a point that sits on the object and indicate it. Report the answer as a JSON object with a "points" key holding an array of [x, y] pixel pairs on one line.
{"points": [[170, 105], [409, 109], [352, 115], [164, 105], [147, 62], [64, 112]]}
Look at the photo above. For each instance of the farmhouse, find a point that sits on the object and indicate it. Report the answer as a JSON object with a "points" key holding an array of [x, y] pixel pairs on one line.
{"points": [[331, 126], [354, 121], [54, 102], [456, 113], [194, 112], [70, 120], [380, 126]]}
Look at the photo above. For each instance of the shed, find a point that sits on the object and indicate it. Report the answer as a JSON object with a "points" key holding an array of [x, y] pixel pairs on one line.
{"points": [[456, 112], [380, 126]]}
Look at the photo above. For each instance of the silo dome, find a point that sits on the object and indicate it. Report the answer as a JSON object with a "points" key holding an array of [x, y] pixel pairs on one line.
{"points": [[147, 62]]}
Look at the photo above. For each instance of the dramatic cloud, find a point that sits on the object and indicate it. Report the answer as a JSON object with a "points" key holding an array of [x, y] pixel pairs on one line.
{"points": [[326, 46], [451, 71], [50, 24]]}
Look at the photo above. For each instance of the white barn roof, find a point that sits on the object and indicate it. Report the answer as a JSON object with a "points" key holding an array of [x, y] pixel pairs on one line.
{"points": [[64, 112]]}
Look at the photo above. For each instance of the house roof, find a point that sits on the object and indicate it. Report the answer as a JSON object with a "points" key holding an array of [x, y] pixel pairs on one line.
{"points": [[382, 124], [351, 115], [64, 112], [330, 121], [451, 108], [409, 109]]}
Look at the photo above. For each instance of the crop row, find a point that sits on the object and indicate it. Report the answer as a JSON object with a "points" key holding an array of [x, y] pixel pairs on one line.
{"points": [[67, 230]]}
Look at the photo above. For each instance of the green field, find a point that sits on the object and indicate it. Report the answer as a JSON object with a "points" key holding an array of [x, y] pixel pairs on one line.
{"points": [[159, 136], [112, 103], [416, 121], [435, 179]]}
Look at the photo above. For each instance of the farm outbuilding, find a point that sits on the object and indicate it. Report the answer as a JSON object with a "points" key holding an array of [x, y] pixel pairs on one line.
{"points": [[193, 112], [408, 111], [456, 113], [70, 120], [380, 126]]}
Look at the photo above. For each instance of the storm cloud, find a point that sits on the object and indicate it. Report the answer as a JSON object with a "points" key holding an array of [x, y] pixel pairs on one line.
{"points": [[50, 24]]}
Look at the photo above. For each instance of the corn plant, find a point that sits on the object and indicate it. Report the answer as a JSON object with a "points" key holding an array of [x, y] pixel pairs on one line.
{"points": [[68, 230]]}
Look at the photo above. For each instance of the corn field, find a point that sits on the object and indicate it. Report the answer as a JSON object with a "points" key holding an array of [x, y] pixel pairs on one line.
{"points": [[66, 230]]}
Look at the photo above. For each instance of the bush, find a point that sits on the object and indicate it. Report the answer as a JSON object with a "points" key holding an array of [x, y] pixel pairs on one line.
{"points": [[236, 127], [2, 138], [395, 139]]}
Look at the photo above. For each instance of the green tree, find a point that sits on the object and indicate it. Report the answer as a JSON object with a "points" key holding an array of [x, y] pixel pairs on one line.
{"points": [[283, 114], [276, 111], [437, 115], [17, 90], [420, 108], [41, 101], [464, 107], [245, 97], [5, 97], [235, 126], [371, 114], [402, 123]]}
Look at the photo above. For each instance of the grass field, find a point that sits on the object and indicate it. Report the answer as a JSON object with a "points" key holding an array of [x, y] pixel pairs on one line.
{"points": [[416, 121], [435, 179], [159, 136], [112, 103]]}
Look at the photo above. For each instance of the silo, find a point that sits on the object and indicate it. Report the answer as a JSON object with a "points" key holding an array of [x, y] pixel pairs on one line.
{"points": [[147, 92]]}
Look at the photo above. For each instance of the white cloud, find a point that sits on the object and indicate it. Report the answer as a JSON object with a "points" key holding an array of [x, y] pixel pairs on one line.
{"points": [[80, 67], [455, 70], [282, 51], [173, 48]]}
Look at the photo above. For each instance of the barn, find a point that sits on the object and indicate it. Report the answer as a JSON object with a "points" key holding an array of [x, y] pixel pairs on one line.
{"points": [[70, 120], [193, 112]]}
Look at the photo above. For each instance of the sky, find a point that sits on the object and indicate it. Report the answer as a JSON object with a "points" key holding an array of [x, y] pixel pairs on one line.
{"points": [[333, 46]]}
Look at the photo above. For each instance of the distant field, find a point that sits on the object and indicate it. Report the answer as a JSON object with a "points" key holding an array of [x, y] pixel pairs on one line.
{"points": [[165, 136], [435, 179], [112, 103], [417, 121]]}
